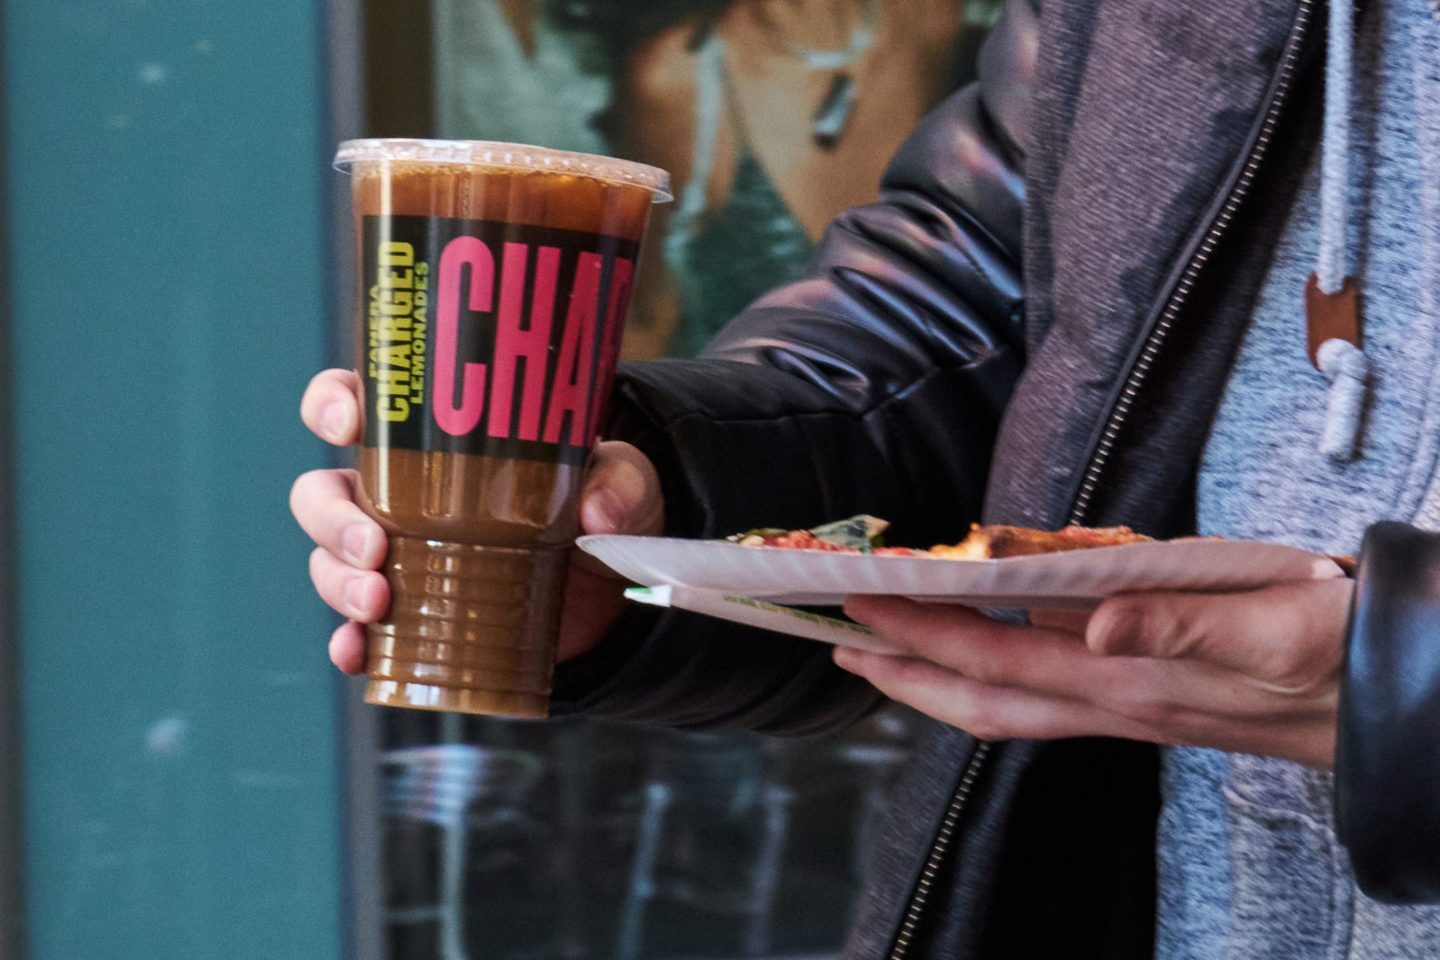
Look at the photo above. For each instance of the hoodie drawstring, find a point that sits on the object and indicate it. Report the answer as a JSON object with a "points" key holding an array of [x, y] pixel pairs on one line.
{"points": [[1332, 308]]}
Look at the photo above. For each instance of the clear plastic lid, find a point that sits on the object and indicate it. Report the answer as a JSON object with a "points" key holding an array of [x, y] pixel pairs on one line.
{"points": [[505, 156]]}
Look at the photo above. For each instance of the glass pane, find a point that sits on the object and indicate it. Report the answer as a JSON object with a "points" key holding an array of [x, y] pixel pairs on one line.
{"points": [[585, 838], [591, 839]]}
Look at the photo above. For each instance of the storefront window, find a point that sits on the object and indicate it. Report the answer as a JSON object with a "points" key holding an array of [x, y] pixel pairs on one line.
{"points": [[592, 839]]}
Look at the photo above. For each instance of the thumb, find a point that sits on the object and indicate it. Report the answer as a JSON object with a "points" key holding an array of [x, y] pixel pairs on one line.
{"points": [[621, 492], [621, 495], [1276, 633]]}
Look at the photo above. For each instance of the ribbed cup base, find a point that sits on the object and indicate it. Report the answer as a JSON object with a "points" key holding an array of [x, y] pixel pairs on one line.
{"points": [[470, 630], [420, 696]]}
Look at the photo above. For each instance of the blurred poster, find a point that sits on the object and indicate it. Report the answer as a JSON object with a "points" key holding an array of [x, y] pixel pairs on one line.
{"points": [[505, 71], [771, 115]]}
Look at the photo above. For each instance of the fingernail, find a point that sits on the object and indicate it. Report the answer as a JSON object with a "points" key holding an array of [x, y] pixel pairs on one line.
{"points": [[336, 420], [357, 541], [609, 509], [844, 657], [356, 598]]}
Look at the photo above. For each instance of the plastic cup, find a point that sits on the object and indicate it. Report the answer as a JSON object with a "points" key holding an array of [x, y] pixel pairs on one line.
{"points": [[493, 282]]}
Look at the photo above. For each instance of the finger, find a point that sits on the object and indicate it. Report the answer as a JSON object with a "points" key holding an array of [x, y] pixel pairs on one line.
{"points": [[1288, 634], [593, 601], [987, 712], [331, 406], [323, 501], [1071, 621], [347, 648], [357, 594], [621, 495], [1046, 660], [998, 713]]}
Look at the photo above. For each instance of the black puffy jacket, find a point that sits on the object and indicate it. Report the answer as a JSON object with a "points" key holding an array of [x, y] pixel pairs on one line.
{"points": [[1032, 325]]}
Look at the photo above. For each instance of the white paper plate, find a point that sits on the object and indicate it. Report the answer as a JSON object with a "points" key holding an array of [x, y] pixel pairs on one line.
{"points": [[1078, 579]]}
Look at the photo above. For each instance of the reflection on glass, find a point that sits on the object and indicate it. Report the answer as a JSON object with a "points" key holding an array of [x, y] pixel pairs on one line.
{"points": [[505, 71], [773, 116], [589, 839]]}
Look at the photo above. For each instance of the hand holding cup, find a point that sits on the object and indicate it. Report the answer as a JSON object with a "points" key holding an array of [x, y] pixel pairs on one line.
{"points": [[621, 494], [492, 285]]}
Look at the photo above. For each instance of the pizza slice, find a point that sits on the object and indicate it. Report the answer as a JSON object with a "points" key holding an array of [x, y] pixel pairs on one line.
{"points": [[862, 534], [998, 541]]}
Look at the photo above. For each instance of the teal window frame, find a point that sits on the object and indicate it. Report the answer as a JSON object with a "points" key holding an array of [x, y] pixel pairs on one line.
{"points": [[182, 777]]}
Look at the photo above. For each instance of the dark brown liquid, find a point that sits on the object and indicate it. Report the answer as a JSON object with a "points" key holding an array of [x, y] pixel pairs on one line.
{"points": [[478, 544]]}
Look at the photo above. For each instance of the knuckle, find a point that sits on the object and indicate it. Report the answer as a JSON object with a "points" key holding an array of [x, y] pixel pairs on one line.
{"points": [[1148, 710], [1180, 632], [906, 670], [934, 653], [1303, 642], [313, 399], [300, 492], [1160, 627], [900, 676], [1296, 670], [315, 495], [988, 670], [325, 570], [981, 721], [1291, 662], [307, 399], [332, 380], [322, 576], [1117, 626]]}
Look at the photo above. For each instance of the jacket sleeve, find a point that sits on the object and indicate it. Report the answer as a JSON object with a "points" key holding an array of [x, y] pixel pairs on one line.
{"points": [[1387, 768], [874, 384]]}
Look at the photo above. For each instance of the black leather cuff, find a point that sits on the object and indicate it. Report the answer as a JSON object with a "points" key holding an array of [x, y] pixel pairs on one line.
{"points": [[1387, 760]]}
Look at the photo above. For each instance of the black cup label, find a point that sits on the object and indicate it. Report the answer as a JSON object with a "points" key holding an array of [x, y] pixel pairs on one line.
{"points": [[489, 338]]}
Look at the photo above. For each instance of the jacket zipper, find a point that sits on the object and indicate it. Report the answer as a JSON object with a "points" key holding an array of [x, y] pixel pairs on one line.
{"points": [[940, 845], [920, 895], [1181, 293]]}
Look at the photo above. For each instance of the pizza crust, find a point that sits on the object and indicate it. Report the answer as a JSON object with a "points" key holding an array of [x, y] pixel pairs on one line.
{"points": [[998, 541]]}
